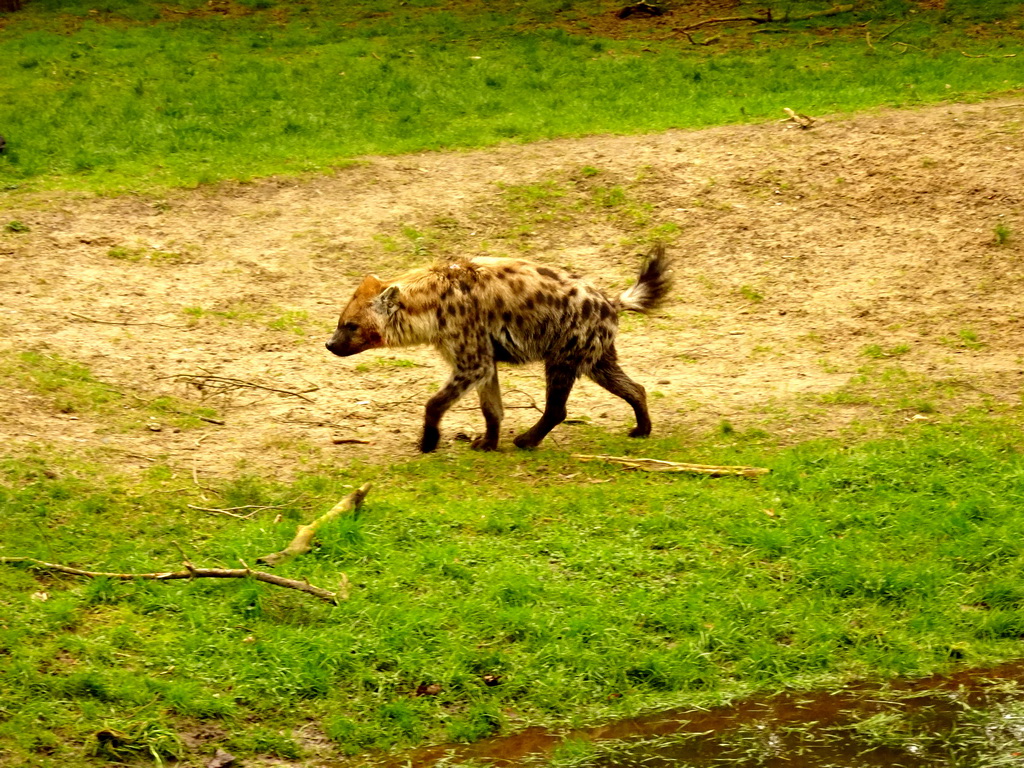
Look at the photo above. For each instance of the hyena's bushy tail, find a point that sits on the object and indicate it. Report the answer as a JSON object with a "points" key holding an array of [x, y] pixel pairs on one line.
{"points": [[652, 285]]}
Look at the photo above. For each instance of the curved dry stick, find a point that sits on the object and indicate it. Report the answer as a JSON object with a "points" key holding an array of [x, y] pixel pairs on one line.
{"points": [[303, 540], [190, 572], [658, 465]]}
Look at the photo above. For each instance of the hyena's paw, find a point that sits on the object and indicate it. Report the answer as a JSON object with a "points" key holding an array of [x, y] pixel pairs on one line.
{"points": [[483, 443], [525, 441], [640, 432], [431, 437]]}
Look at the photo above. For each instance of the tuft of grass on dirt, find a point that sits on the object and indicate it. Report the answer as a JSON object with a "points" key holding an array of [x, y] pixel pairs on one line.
{"points": [[568, 593], [71, 388]]}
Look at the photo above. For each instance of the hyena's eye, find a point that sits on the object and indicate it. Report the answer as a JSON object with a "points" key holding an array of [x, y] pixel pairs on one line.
{"points": [[352, 327]]}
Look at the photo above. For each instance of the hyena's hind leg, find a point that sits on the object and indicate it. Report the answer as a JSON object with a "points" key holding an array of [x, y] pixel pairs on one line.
{"points": [[609, 375], [560, 381], [490, 403]]}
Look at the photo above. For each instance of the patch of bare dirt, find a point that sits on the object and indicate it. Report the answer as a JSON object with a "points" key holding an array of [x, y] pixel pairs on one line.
{"points": [[796, 250]]}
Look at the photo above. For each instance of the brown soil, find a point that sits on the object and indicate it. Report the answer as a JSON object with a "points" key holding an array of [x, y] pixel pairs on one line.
{"points": [[795, 251]]}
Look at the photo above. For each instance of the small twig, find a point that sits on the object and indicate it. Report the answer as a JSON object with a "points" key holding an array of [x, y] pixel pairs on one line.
{"points": [[303, 540], [903, 24], [190, 572], [229, 511], [709, 41], [181, 551], [200, 381], [803, 121], [122, 322], [126, 452], [528, 396], [768, 18], [312, 423], [349, 441], [658, 465], [144, 401]]}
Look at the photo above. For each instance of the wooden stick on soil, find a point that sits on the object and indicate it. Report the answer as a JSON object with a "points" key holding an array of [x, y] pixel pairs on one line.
{"points": [[190, 572], [767, 17], [303, 540], [658, 465]]}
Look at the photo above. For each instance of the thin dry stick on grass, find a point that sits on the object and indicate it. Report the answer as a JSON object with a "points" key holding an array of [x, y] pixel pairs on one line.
{"points": [[659, 465], [803, 121], [190, 572], [303, 540], [233, 511], [769, 18], [223, 384], [85, 319]]}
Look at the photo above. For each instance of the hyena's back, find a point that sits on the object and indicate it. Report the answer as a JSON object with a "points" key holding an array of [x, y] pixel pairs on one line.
{"points": [[528, 312]]}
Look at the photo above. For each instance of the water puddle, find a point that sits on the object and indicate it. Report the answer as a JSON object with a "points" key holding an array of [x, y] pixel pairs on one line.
{"points": [[970, 718]]}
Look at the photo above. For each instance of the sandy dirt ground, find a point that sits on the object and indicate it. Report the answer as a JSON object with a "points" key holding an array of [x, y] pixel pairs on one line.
{"points": [[801, 256]]}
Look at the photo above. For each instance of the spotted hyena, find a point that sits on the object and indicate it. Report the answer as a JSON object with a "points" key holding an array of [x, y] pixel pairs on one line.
{"points": [[483, 311]]}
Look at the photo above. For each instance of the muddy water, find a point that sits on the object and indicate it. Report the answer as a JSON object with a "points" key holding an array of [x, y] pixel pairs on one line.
{"points": [[941, 720]]}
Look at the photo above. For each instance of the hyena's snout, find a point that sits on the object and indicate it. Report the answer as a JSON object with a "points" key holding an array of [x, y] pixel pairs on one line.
{"points": [[352, 338]]}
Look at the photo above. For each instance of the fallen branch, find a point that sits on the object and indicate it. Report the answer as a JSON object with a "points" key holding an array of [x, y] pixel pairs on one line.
{"points": [[658, 465], [768, 18], [190, 572], [709, 41], [233, 511], [85, 319], [987, 55], [803, 121], [203, 381], [303, 540]]}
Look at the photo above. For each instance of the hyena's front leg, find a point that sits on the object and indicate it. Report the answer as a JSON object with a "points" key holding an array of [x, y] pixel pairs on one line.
{"points": [[445, 398], [560, 380], [490, 403]]}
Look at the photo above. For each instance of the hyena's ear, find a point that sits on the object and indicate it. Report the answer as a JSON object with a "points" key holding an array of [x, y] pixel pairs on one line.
{"points": [[387, 302]]}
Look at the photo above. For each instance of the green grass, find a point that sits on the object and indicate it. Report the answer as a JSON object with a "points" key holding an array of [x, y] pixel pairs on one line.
{"points": [[71, 388], [582, 600], [134, 95]]}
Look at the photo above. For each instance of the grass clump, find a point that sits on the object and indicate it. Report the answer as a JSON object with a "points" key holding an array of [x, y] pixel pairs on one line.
{"points": [[1002, 234]]}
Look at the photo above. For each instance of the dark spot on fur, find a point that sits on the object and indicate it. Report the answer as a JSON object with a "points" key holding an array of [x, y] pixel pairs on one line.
{"points": [[506, 316], [606, 310], [548, 273], [586, 308], [572, 292], [528, 304]]}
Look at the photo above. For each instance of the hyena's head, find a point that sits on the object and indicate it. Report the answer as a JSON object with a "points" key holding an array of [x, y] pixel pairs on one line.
{"points": [[361, 324]]}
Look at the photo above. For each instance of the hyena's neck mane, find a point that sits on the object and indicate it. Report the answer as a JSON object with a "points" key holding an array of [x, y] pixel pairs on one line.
{"points": [[414, 317]]}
